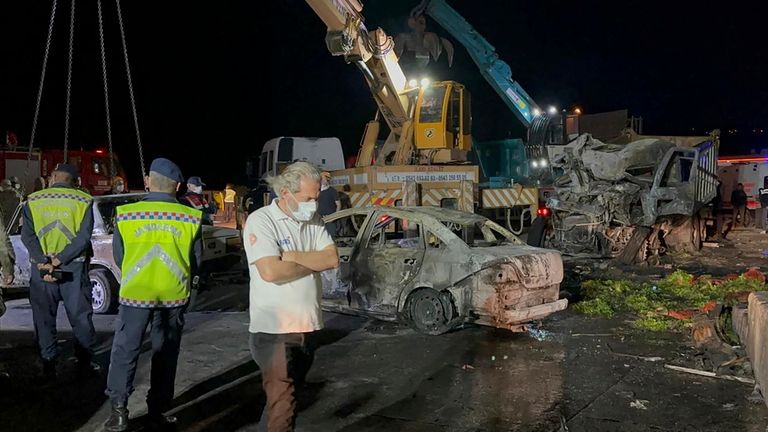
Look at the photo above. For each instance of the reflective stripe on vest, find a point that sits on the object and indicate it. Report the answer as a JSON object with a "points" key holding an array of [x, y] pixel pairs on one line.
{"points": [[57, 214], [157, 242]]}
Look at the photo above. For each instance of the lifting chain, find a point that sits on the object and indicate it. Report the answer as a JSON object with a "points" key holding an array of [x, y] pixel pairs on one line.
{"points": [[69, 78], [40, 88], [106, 93], [130, 87]]}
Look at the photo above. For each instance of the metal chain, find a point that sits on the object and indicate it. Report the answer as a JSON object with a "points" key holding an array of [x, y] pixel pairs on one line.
{"points": [[69, 77], [40, 87], [106, 93], [130, 87]]}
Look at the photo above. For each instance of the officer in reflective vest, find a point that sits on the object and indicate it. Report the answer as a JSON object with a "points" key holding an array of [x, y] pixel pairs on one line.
{"points": [[158, 246], [58, 222]]}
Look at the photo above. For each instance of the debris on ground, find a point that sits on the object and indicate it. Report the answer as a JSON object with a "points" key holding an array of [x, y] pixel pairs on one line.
{"points": [[639, 404], [539, 334], [710, 374], [671, 302], [756, 397], [634, 356]]}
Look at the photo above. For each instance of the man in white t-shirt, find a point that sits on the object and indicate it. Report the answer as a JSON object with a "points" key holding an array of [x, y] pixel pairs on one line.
{"points": [[287, 247]]}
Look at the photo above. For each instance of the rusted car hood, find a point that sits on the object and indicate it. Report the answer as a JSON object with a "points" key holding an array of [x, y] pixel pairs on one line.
{"points": [[535, 267]]}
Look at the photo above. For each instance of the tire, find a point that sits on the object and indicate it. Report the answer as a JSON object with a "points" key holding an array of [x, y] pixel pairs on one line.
{"points": [[537, 232], [104, 291], [430, 312]]}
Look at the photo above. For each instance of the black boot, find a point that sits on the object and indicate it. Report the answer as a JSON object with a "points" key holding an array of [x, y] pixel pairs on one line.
{"points": [[48, 373], [118, 419], [160, 422], [87, 369]]}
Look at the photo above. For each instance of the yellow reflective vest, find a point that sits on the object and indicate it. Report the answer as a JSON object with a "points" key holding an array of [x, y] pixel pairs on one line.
{"points": [[157, 241], [57, 214]]}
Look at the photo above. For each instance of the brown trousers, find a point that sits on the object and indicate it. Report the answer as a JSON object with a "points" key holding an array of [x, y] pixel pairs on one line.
{"points": [[284, 360]]}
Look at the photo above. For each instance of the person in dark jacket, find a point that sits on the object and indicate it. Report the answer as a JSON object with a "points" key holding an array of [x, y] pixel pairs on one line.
{"points": [[739, 203], [194, 198]]}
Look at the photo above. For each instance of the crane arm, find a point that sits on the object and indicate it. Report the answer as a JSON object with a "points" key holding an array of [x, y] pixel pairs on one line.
{"points": [[494, 70], [372, 52]]}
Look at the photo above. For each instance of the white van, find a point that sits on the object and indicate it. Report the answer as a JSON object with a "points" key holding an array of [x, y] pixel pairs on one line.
{"points": [[326, 153]]}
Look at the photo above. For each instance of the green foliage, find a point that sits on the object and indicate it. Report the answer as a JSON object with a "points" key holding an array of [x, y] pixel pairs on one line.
{"points": [[649, 303]]}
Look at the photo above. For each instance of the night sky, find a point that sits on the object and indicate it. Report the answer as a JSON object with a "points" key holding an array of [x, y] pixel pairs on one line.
{"points": [[203, 70]]}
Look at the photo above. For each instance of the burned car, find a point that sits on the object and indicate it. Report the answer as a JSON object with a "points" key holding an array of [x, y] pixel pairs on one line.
{"points": [[222, 248], [632, 201], [435, 268]]}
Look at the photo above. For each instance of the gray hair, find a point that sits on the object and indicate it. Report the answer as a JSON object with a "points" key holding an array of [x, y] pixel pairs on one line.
{"points": [[161, 183], [291, 177]]}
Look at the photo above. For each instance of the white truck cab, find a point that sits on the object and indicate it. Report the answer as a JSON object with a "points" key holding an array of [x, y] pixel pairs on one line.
{"points": [[325, 153]]}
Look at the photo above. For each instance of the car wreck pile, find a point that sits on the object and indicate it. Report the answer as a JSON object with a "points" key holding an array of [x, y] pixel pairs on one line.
{"points": [[632, 201]]}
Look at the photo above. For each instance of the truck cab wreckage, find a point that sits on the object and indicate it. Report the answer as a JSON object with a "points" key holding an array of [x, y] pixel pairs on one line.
{"points": [[633, 201]]}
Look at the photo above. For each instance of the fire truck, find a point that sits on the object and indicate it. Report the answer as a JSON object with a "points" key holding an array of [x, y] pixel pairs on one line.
{"points": [[30, 168]]}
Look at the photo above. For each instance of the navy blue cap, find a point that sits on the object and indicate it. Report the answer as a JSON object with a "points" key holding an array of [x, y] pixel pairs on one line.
{"points": [[166, 168], [69, 169], [195, 181]]}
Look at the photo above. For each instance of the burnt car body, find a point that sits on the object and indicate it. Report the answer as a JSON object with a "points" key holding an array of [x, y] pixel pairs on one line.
{"points": [[435, 268], [631, 201], [222, 248]]}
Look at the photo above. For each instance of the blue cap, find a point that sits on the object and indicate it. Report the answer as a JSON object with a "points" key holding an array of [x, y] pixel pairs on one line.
{"points": [[69, 169], [195, 181], [166, 168]]}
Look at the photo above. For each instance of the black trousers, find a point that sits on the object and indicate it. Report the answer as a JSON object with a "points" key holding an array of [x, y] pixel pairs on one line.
{"points": [[75, 293], [131, 323], [284, 361]]}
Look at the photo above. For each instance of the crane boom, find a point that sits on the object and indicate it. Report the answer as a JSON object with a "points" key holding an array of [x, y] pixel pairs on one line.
{"points": [[494, 70], [372, 52]]}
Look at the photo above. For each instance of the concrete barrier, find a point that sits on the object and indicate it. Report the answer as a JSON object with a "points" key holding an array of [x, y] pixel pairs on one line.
{"points": [[751, 324]]}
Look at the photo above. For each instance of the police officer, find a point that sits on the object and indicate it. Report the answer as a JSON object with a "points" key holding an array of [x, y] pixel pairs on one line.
{"points": [[158, 246], [194, 198], [57, 227]]}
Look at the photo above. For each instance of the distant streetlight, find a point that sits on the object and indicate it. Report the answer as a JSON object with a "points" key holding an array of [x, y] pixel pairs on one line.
{"points": [[577, 111], [413, 83], [536, 112], [425, 82], [552, 110]]}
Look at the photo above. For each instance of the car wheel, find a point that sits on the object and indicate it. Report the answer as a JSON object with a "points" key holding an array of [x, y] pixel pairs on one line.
{"points": [[430, 312], [104, 291], [537, 232]]}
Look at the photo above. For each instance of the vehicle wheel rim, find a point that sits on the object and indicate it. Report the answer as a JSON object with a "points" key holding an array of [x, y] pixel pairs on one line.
{"points": [[428, 312], [97, 294]]}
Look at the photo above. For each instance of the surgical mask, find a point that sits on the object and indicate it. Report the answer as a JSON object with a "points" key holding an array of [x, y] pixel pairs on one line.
{"points": [[195, 189], [119, 188], [324, 186], [305, 210]]}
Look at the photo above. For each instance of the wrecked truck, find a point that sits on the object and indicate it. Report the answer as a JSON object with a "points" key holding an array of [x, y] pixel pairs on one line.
{"points": [[435, 268], [633, 201]]}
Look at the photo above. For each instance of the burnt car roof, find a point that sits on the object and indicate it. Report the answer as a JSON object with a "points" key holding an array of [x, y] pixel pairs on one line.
{"points": [[120, 197], [441, 214]]}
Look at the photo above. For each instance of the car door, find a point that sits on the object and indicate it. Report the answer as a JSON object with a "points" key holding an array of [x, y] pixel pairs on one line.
{"points": [[390, 254], [337, 283]]}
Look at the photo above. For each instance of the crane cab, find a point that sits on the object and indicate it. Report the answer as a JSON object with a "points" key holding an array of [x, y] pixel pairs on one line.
{"points": [[443, 119]]}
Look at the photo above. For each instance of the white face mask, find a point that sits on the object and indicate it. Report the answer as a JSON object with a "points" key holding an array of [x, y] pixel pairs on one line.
{"points": [[119, 188], [305, 210], [195, 189]]}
